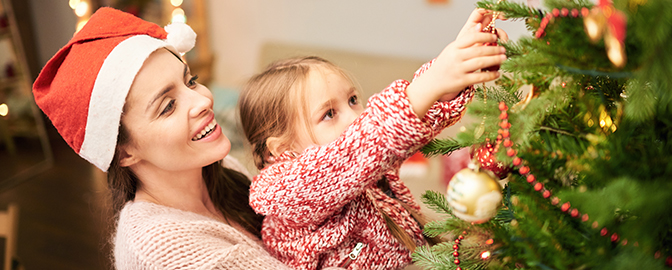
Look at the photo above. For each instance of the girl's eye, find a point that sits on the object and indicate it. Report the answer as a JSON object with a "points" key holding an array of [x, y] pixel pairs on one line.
{"points": [[169, 107], [192, 81], [328, 115], [354, 100]]}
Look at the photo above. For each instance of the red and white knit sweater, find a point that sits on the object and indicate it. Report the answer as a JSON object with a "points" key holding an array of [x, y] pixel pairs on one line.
{"points": [[316, 204]]}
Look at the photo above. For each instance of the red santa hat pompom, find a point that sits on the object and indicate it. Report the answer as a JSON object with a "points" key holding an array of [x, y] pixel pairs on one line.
{"points": [[83, 88]]}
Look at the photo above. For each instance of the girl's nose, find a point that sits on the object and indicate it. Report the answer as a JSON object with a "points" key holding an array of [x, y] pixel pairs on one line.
{"points": [[199, 103], [352, 115]]}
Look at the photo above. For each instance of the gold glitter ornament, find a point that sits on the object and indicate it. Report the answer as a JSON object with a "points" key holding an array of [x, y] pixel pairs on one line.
{"points": [[474, 195]]}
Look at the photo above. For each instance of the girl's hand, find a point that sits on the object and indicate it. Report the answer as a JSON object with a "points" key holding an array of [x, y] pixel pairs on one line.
{"points": [[455, 68]]}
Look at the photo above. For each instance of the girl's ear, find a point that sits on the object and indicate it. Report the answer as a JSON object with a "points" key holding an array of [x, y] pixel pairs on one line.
{"points": [[276, 146], [128, 158]]}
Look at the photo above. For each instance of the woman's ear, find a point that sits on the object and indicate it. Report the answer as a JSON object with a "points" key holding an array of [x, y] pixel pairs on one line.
{"points": [[127, 157], [276, 146]]}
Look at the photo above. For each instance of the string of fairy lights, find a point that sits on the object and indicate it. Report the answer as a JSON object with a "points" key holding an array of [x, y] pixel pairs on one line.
{"points": [[83, 10]]}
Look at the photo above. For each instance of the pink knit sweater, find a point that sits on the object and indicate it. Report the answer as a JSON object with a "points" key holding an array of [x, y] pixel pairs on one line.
{"points": [[152, 236], [316, 205]]}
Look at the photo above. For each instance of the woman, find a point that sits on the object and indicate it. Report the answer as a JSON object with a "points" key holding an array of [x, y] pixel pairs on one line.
{"points": [[121, 96]]}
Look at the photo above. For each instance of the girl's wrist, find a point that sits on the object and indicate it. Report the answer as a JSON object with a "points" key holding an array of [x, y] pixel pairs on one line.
{"points": [[420, 97]]}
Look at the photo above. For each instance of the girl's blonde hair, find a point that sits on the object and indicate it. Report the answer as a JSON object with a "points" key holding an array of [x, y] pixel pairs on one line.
{"points": [[273, 101]]}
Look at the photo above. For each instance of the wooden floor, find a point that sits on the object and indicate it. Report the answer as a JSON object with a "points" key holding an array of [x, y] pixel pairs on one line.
{"points": [[63, 221]]}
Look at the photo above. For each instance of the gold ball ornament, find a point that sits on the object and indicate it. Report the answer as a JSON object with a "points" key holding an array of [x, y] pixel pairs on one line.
{"points": [[474, 195]]}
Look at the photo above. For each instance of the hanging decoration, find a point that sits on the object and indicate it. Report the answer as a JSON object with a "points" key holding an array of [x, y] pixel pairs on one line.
{"points": [[474, 195], [604, 20]]}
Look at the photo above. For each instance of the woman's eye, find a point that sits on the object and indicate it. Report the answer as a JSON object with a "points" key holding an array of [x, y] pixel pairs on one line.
{"points": [[354, 100], [328, 115], [169, 107], [192, 81]]}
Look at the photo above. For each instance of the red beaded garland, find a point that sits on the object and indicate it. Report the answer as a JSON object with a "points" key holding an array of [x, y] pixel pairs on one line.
{"points": [[457, 261], [546, 194], [503, 115], [504, 133], [538, 186], [456, 247], [508, 143], [524, 170], [614, 237], [531, 178], [585, 11], [575, 13], [455, 254], [574, 213]]}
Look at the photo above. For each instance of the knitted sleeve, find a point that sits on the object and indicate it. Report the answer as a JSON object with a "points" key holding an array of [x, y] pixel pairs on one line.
{"points": [[445, 114], [311, 187]]}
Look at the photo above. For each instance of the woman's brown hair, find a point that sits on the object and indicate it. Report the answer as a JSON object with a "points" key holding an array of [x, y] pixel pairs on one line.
{"points": [[229, 190]]}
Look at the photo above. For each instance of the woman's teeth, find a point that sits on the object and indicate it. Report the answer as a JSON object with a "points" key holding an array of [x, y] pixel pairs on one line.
{"points": [[209, 128]]}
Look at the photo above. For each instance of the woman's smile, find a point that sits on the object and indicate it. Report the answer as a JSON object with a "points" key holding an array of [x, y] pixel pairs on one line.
{"points": [[208, 130]]}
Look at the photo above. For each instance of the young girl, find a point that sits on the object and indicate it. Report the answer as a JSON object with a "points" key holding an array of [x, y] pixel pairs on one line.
{"points": [[329, 184]]}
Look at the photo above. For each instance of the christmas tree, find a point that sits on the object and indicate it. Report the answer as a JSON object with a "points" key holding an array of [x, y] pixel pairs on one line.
{"points": [[589, 148]]}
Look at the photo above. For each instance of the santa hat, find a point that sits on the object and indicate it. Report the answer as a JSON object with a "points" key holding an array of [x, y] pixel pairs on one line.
{"points": [[82, 89]]}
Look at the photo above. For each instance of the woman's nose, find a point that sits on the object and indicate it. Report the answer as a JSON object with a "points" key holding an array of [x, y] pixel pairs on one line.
{"points": [[199, 103]]}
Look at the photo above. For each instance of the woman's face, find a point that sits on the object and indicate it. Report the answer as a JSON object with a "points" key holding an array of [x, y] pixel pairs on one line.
{"points": [[169, 118]]}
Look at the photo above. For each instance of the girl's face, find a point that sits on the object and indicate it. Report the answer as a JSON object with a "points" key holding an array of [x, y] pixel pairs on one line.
{"points": [[169, 118], [332, 105]]}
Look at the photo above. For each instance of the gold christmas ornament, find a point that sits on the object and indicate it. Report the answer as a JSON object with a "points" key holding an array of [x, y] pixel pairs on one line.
{"points": [[474, 195]]}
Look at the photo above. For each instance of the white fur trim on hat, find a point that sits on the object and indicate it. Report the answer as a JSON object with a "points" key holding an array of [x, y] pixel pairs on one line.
{"points": [[180, 36], [109, 95]]}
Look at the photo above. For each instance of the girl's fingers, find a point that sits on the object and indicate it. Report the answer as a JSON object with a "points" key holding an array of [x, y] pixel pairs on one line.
{"points": [[475, 18], [503, 36], [481, 77], [471, 39], [478, 51], [482, 62]]}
